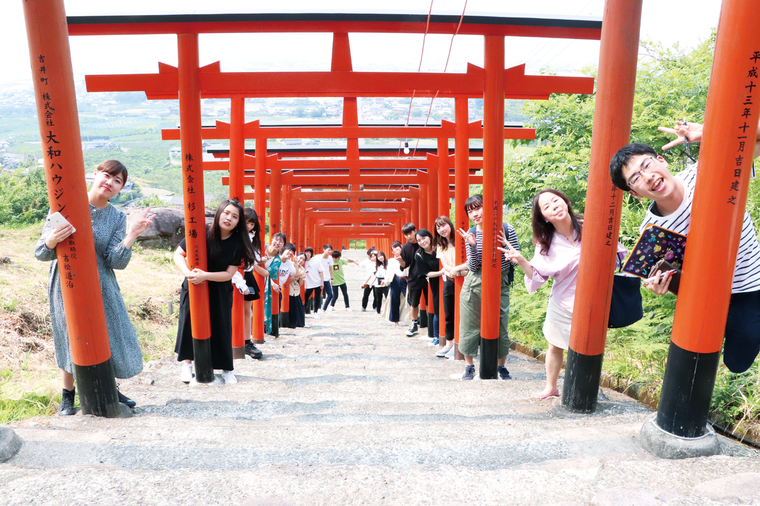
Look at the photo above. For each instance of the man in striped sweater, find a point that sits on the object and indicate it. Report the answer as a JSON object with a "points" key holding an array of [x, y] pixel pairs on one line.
{"points": [[637, 169]]}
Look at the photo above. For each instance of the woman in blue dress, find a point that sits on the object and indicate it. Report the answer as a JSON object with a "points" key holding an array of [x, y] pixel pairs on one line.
{"points": [[113, 250]]}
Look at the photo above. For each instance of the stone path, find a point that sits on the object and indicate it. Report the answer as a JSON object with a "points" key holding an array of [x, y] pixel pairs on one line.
{"points": [[350, 411]]}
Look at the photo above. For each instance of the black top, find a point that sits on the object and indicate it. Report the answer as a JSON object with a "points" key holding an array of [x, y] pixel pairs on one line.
{"points": [[423, 263], [407, 254]]}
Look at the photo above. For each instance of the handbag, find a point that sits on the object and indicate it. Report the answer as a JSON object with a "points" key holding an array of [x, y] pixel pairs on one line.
{"points": [[626, 306]]}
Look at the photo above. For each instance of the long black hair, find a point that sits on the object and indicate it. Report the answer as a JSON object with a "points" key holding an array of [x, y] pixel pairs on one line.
{"points": [[240, 232], [543, 231], [440, 241], [384, 263], [252, 217]]}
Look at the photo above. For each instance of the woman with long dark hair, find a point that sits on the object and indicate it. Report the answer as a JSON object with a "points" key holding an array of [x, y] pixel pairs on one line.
{"points": [[443, 240], [557, 233], [379, 288], [227, 246]]}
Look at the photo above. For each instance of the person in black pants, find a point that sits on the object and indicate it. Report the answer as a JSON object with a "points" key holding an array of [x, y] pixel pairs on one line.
{"points": [[381, 262]]}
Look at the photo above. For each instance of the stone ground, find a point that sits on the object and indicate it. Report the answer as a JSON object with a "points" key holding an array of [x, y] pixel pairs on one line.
{"points": [[350, 411]]}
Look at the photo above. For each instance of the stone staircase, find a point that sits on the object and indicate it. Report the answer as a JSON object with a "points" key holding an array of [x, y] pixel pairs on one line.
{"points": [[350, 411]]}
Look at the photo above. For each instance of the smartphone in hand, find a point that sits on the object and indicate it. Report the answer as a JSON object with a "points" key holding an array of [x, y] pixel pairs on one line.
{"points": [[58, 221]]}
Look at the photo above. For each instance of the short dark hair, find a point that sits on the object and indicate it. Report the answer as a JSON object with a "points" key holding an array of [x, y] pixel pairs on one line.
{"points": [[309, 250], [621, 159], [326, 247], [371, 252], [396, 244], [474, 202], [336, 253], [408, 228], [290, 246]]}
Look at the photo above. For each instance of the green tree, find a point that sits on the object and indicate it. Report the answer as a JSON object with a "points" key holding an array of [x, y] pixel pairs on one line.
{"points": [[23, 194]]}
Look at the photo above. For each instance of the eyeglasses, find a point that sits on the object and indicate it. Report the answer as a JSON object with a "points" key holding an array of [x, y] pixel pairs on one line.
{"points": [[636, 176]]}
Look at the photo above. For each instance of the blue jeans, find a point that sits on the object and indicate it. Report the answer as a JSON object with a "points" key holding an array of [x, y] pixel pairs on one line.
{"points": [[329, 295], [398, 289]]}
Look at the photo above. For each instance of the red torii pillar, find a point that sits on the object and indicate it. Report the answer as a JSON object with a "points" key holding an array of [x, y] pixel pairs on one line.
{"points": [[50, 59], [443, 210], [461, 194], [720, 196], [493, 197], [237, 192], [259, 204], [432, 214], [612, 125], [195, 217]]}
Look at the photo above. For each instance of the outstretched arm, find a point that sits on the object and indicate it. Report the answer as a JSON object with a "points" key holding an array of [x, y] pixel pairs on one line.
{"points": [[693, 132]]}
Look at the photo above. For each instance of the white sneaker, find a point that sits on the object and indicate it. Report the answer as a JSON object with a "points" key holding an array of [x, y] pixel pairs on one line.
{"points": [[451, 354], [443, 351], [186, 374], [229, 377], [330, 309], [315, 316], [349, 309]]}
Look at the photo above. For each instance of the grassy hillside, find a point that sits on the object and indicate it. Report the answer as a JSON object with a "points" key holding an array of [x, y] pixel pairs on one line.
{"points": [[29, 379]]}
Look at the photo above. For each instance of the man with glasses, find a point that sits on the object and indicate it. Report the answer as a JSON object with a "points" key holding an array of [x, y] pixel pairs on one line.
{"points": [[637, 169]]}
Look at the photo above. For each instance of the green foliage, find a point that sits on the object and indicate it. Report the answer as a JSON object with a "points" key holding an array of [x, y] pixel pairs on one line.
{"points": [[23, 195], [150, 201], [671, 84], [29, 405]]}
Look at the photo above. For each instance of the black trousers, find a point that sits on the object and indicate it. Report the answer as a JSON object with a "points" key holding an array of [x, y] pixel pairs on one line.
{"points": [[317, 295], [365, 297], [448, 308], [380, 292]]}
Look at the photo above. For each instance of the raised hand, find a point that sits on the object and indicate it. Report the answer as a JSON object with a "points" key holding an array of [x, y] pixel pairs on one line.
{"points": [[691, 130], [512, 254], [142, 223], [468, 237]]}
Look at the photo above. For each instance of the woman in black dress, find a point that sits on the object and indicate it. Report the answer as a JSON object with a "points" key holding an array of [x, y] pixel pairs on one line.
{"points": [[227, 245]]}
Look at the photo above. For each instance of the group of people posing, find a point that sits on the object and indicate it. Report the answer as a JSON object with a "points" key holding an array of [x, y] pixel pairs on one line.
{"points": [[397, 280]]}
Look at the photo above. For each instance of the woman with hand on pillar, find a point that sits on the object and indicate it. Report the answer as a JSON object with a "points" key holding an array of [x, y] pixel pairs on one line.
{"points": [[113, 250], [272, 265], [227, 246], [395, 278], [470, 296], [557, 232], [254, 234], [443, 238]]}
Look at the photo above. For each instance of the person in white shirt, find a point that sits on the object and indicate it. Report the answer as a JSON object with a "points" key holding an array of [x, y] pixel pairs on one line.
{"points": [[369, 266], [327, 263], [315, 278]]}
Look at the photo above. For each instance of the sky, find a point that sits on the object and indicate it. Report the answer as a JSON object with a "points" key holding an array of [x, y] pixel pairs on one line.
{"points": [[665, 21]]}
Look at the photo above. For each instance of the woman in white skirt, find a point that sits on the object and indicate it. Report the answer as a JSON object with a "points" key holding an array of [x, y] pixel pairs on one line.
{"points": [[557, 234]]}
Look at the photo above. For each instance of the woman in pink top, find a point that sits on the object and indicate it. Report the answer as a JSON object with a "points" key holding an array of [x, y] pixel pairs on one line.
{"points": [[557, 234]]}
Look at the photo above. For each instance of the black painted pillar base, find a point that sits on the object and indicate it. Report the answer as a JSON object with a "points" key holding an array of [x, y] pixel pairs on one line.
{"points": [[687, 390], [431, 325], [275, 325], [204, 369], [423, 319], [97, 389], [582, 377], [489, 358], [284, 319]]}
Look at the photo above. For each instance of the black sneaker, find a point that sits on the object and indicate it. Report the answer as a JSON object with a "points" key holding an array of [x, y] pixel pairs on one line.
{"points": [[67, 403], [504, 373], [469, 372], [252, 351], [414, 329], [126, 400]]}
